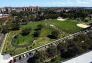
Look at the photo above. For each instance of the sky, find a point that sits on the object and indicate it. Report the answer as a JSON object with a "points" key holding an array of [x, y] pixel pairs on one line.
{"points": [[46, 3]]}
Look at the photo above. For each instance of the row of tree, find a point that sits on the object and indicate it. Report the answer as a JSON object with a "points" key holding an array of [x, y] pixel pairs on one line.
{"points": [[67, 49], [51, 14]]}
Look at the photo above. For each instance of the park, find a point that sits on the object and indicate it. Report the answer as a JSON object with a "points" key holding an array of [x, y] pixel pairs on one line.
{"points": [[36, 34]]}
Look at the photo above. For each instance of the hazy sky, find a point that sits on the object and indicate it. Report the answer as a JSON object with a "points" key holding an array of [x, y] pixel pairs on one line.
{"points": [[49, 3]]}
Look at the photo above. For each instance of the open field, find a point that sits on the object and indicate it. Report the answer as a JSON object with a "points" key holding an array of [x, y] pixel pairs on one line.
{"points": [[17, 43]]}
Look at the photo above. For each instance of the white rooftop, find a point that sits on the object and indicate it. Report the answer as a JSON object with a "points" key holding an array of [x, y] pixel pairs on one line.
{"points": [[61, 19], [5, 58], [85, 58]]}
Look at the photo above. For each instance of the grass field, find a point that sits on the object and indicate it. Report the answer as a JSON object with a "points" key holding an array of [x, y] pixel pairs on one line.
{"points": [[24, 43]]}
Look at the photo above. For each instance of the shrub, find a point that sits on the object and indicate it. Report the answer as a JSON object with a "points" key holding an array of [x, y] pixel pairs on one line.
{"points": [[25, 31]]}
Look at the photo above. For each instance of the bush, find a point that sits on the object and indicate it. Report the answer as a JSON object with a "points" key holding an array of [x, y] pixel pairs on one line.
{"points": [[25, 31], [51, 51], [54, 35], [39, 27], [36, 34]]}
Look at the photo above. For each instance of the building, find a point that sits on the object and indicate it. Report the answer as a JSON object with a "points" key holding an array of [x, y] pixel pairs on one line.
{"points": [[4, 15], [18, 9]]}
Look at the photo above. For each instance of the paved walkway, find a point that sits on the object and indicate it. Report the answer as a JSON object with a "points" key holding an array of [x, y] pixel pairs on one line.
{"points": [[2, 46], [47, 44]]}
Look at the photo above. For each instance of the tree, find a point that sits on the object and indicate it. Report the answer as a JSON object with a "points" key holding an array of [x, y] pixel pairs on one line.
{"points": [[51, 16], [38, 30], [39, 27], [36, 34], [32, 18], [31, 60], [62, 47], [70, 50], [25, 31], [15, 26], [51, 51], [4, 29], [53, 35], [38, 57]]}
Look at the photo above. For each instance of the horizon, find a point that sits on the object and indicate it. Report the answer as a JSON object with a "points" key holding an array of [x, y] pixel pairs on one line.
{"points": [[47, 7], [46, 3]]}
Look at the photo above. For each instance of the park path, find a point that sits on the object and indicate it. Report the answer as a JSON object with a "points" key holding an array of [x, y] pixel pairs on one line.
{"points": [[69, 36], [2, 46], [2, 38]]}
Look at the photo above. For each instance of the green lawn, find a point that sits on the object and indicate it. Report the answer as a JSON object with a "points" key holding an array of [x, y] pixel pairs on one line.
{"points": [[68, 26], [24, 43]]}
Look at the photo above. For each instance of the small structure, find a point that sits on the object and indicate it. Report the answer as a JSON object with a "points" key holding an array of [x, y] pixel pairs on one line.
{"points": [[4, 15], [85, 58], [61, 19], [51, 25], [5, 58]]}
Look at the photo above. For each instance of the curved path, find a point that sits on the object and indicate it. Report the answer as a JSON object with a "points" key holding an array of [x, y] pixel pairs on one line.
{"points": [[2, 46]]}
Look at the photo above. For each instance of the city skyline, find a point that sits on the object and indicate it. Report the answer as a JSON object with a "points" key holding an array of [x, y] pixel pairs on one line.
{"points": [[46, 3]]}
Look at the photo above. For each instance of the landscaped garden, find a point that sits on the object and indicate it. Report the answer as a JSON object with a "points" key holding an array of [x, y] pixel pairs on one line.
{"points": [[36, 34]]}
